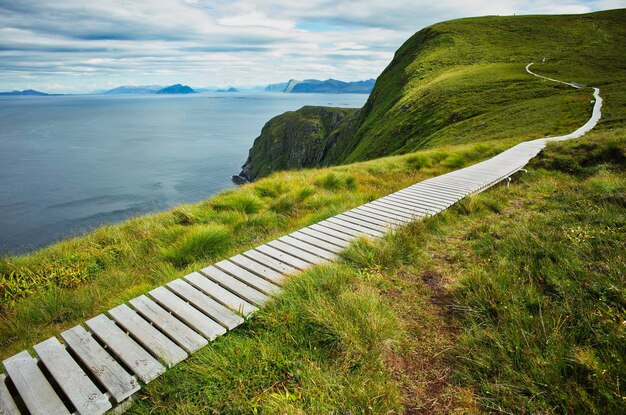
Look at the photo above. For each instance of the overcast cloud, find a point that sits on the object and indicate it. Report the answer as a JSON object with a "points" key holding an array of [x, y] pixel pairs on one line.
{"points": [[81, 46]]}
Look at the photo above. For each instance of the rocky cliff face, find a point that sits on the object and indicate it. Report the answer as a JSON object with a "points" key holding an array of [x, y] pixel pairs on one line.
{"points": [[295, 139]]}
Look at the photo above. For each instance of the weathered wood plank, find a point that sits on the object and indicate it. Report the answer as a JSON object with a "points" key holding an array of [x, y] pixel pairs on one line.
{"points": [[270, 262], [178, 331], [206, 304], [259, 269], [146, 367], [354, 229], [390, 209], [370, 210], [316, 242], [71, 378], [7, 404], [416, 208], [187, 313], [332, 232], [368, 219], [308, 247], [234, 285], [324, 237], [152, 339], [343, 229], [247, 277], [361, 222], [32, 386], [220, 294], [119, 383], [283, 257], [297, 252]]}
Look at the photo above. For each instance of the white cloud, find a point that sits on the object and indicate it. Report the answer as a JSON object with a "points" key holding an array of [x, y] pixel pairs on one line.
{"points": [[81, 45]]}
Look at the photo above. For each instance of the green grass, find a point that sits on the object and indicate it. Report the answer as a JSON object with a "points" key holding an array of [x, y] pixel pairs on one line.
{"points": [[464, 81], [57, 287], [512, 301]]}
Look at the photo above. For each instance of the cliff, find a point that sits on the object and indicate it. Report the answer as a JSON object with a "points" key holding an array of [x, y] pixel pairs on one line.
{"points": [[462, 81], [294, 139]]}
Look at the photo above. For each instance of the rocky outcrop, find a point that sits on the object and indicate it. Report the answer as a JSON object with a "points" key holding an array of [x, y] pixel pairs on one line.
{"points": [[295, 139]]}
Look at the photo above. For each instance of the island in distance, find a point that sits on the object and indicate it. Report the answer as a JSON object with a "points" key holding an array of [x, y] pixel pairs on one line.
{"points": [[151, 89], [329, 86], [28, 92]]}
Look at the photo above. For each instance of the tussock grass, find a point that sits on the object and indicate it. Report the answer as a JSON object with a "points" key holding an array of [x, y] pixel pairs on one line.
{"points": [[238, 201], [202, 242], [115, 263], [512, 301]]}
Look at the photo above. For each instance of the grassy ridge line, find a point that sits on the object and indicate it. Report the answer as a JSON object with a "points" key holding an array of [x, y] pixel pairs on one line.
{"points": [[512, 301], [464, 81], [60, 286]]}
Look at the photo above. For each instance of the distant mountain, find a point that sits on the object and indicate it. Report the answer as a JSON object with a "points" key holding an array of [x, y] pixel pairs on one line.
{"points": [[329, 86], [30, 92], [231, 89], [135, 89], [176, 89]]}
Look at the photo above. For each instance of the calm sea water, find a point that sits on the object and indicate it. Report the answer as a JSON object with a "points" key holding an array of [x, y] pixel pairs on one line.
{"points": [[71, 163]]}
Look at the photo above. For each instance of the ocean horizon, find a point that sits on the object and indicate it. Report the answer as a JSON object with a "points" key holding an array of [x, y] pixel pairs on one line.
{"points": [[69, 164]]}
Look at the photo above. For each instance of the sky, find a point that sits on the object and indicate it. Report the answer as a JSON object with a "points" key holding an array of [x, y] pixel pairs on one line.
{"points": [[78, 46]]}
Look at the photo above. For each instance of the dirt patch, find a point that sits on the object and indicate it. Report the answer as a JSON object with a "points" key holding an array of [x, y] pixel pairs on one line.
{"points": [[420, 365]]}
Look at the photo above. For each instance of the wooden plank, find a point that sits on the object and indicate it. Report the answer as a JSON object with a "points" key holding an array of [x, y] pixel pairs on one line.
{"points": [[187, 313], [348, 231], [270, 262], [362, 222], [376, 216], [220, 294], [324, 237], [259, 269], [247, 277], [414, 207], [411, 207], [146, 367], [331, 232], [439, 194], [422, 196], [417, 201], [282, 257], [152, 339], [71, 378], [387, 224], [436, 187], [119, 383], [170, 325], [327, 246], [7, 404], [297, 252], [389, 213], [206, 304], [32, 386], [234, 285], [330, 256], [344, 224]]}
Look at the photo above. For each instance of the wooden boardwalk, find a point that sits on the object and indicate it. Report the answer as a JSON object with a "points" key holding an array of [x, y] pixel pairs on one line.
{"points": [[102, 363]]}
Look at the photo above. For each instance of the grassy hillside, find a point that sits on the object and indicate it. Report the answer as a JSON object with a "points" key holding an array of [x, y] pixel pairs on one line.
{"points": [[464, 81], [511, 302], [62, 285]]}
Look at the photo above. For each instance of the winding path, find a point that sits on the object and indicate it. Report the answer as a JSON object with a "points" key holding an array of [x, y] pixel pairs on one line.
{"points": [[134, 343]]}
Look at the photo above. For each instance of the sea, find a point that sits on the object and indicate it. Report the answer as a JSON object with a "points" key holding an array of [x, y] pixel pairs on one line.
{"points": [[69, 164]]}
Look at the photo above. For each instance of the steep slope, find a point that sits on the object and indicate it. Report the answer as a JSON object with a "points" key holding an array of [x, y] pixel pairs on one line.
{"points": [[463, 80]]}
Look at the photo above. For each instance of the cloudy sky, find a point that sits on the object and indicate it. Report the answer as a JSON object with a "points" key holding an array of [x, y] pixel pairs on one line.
{"points": [[86, 45]]}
